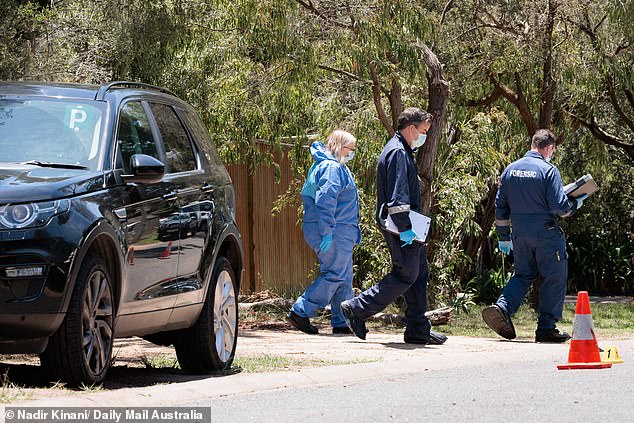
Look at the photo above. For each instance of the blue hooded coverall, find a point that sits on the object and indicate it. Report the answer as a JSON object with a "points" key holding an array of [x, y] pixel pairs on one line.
{"points": [[331, 207], [531, 196], [398, 192]]}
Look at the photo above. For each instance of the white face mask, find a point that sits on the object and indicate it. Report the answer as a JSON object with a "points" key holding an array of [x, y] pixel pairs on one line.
{"points": [[348, 157], [418, 142]]}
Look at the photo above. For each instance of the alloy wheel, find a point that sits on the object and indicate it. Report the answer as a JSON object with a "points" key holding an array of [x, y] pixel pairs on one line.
{"points": [[225, 321], [97, 322]]}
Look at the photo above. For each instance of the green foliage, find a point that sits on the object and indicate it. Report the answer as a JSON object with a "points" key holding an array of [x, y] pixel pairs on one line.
{"points": [[465, 172], [19, 31], [485, 289], [600, 236], [286, 71], [601, 263]]}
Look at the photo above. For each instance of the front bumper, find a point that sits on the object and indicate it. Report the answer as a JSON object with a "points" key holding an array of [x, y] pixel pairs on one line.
{"points": [[32, 305], [27, 333]]}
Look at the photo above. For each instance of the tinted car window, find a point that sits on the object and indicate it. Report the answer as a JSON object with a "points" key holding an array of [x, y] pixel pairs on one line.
{"points": [[134, 135], [202, 137], [178, 148], [56, 131]]}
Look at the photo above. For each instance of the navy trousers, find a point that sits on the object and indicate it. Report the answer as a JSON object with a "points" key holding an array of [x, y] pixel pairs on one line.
{"points": [[538, 249], [407, 278]]}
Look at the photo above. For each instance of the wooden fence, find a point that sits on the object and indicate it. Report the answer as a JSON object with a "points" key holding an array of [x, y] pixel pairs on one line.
{"points": [[276, 257]]}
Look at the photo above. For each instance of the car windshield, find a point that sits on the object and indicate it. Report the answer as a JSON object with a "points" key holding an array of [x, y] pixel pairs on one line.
{"points": [[50, 131]]}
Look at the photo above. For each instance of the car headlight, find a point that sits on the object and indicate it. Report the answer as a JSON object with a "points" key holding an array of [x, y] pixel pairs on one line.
{"points": [[20, 216]]}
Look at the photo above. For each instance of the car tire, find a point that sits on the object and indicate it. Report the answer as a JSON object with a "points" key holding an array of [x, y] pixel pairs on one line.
{"points": [[80, 351], [210, 344]]}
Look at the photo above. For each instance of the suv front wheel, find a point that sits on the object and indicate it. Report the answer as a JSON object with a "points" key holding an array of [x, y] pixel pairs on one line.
{"points": [[80, 350], [211, 343]]}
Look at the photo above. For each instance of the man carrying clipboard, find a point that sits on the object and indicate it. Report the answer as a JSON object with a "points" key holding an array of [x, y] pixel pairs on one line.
{"points": [[398, 193], [530, 198]]}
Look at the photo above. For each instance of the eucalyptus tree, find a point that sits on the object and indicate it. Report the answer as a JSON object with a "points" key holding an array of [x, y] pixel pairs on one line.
{"points": [[512, 55], [605, 105], [95, 42], [300, 66], [284, 70], [18, 34], [549, 64]]}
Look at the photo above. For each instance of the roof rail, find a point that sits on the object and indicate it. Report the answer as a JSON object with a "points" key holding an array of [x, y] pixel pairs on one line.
{"points": [[106, 87]]}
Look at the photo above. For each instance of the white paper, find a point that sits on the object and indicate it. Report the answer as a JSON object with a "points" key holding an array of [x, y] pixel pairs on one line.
{"points": [[420, 225]]}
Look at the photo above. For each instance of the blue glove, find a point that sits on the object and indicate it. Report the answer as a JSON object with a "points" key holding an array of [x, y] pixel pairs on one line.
{"points": [[407, 237], [326, 242], [579, 200], [505, 247]]}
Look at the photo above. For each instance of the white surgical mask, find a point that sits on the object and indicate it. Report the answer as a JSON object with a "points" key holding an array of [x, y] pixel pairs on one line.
{"points": [[348, 157], [418, 142]]}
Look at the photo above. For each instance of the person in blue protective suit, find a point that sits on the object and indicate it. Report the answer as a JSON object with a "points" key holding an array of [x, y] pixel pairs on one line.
{"points": [[531, 197], [398, 192], [331, 229]]}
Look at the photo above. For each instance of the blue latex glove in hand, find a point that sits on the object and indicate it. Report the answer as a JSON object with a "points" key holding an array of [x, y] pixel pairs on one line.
{"points": [[505, 246], [407, 237], [580, 199], [326, 242]]}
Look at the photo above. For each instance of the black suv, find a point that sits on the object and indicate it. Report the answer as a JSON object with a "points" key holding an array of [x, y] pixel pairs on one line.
{"points": [[90, 180]]}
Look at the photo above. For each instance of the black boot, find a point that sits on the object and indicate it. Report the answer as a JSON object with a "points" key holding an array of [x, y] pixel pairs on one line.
{"points": [[553, 335], [301, 323], [356, 325], [499, 321], [434, 338]]}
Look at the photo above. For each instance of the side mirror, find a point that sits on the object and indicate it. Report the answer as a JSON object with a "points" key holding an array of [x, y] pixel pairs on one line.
{"points": [[145, 169]]}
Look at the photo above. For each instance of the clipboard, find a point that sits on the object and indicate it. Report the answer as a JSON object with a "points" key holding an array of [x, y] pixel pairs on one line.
{"points": [[420, 225], [583, 185]]}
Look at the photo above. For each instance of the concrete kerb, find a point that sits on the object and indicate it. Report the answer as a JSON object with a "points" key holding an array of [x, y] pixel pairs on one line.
{"points": [[572, 299], [396, 359]]}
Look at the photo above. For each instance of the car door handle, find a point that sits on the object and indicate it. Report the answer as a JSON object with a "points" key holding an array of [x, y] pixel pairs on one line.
{"points": [[206, 187], [170, 196]]}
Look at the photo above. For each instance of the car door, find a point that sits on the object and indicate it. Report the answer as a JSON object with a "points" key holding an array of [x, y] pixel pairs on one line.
{"points": [[150, 210], [184, 172]]}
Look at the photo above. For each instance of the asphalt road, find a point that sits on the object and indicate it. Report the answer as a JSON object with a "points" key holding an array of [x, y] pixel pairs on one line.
{"points": [[383, 379], [518, 391]]}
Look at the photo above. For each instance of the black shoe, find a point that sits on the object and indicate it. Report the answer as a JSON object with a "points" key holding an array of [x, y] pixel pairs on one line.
{"points": [[434, 338], [553, 335], [344, 330], [301, 323], [499, 321], [356, 325]]}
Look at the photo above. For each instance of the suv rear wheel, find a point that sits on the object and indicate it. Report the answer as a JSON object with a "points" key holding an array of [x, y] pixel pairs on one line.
{"points": [[80, 350], [211, 343]]}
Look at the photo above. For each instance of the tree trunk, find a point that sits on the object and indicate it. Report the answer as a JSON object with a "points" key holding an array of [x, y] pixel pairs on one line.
{"points": [[485, 216], [438, 89], [548, 81]]}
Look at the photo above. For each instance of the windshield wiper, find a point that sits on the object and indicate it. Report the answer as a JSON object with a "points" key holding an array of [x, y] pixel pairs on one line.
{"points": [[55, 165]]}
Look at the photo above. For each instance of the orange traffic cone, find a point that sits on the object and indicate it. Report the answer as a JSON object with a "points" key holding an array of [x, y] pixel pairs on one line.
{"points": [[166, 252], [584, 350]]}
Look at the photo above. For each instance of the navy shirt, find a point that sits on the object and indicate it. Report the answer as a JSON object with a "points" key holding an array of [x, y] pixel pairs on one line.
{"points": [[397, 187], [530, 191]]}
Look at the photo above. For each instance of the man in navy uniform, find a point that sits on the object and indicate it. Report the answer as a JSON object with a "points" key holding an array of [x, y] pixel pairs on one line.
{"points": [[531, 196], [398, 192]]}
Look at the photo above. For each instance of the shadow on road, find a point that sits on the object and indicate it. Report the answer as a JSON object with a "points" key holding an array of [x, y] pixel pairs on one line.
{"points": [[32, 376]]}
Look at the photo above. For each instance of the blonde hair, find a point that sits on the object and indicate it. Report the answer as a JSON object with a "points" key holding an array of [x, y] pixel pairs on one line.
{"points": [[338, 139]]}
